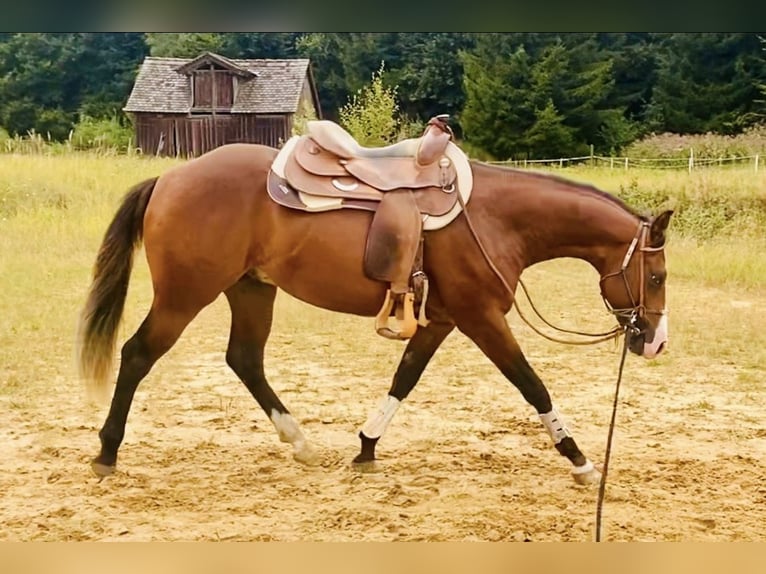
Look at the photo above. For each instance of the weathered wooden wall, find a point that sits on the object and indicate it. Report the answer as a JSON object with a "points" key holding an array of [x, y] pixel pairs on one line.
{"points": [[203, 89], [191, 136]]}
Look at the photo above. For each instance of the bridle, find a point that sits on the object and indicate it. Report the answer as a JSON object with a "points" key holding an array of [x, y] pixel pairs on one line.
{"points": [[631, 315]]}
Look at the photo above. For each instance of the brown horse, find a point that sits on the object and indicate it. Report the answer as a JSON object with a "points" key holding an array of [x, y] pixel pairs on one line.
{"points": [[209, 227]]}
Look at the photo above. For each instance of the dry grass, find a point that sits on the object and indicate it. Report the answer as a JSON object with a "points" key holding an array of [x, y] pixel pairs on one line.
{"points": [[54, 210]]}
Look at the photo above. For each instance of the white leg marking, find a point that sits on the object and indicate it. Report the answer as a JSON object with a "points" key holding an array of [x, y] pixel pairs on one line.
{"points": [[555, 425], [586, 474], [289, 431], [378, 421], [587, 467]]}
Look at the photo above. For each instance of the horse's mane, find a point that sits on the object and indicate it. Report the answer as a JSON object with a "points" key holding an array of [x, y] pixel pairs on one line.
{"points": [[583, 187]]}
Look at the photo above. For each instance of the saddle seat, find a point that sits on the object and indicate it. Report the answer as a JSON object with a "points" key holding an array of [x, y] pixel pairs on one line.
{"points": [[425, 149], [335, 139], [403, 184], [329, 150]]}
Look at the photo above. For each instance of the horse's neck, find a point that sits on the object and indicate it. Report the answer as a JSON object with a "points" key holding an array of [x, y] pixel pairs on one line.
{"points": [[589, 233], [568, 220]]}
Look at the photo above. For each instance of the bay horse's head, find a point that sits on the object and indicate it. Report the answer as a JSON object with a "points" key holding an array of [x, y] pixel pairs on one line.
{"points": [[635, 290]]}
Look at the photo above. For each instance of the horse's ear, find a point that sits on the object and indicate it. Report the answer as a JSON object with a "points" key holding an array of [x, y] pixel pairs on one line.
{"points": [[659, 225]]}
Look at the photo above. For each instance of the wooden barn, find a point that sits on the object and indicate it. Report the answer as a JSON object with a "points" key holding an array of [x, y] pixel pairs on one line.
{"points": [[187, 107]]}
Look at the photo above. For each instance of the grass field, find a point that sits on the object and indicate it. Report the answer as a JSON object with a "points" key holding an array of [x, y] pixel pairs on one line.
{"points": [[710, 384]]}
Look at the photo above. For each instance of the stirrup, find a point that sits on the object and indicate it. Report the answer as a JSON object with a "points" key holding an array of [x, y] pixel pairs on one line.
{"points": [[403, 325]]}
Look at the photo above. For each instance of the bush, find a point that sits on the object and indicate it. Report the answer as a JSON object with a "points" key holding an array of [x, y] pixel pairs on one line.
{"points": [[301, 118], [101, 135], [706, 146], [370, 114]]}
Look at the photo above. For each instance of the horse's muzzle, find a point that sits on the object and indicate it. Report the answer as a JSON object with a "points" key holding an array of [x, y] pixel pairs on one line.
{"points": [[645, 341], [658, 342]]}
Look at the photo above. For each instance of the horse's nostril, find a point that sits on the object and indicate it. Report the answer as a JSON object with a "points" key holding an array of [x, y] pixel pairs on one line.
{"points": [[661, 348]]}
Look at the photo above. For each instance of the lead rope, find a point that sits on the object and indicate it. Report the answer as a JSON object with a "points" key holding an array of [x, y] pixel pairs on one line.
{"points": [[608, 451], [612, 335]]}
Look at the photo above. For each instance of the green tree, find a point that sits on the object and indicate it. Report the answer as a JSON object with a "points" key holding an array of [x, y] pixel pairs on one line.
{"points": [[341, 63], [48, 80], [39, 83], [426, 67], [634, 69], [499, 106], [259, 44], [184, 45], [548, 132], [429, 73], [520, 85], [584, 90], [709, 82], [109, 63]]}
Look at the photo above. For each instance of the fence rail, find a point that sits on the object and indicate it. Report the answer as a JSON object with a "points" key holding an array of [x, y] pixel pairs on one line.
{"points": [[689, 163]]}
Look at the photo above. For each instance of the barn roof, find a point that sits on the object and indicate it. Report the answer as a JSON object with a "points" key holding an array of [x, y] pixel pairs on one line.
{"points": [[275, 86]]}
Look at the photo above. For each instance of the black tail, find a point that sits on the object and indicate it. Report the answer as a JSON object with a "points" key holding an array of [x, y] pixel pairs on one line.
{"points": [[101, 316]]}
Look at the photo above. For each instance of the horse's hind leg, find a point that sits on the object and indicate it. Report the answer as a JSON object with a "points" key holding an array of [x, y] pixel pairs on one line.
{"points": [[493, 336], [156, 335], [252, 305]]}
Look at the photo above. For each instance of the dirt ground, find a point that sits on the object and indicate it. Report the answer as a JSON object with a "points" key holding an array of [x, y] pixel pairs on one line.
{"points": [[465, 458]]}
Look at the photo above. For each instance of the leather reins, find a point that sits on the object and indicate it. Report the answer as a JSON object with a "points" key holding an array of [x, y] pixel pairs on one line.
{"points": [[631, 314], [630, 328]]}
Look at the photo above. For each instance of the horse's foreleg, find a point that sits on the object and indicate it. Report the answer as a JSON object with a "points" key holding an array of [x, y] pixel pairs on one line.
{"points": [[252, 305], [417, 354], [159, 331], [494, 338]]}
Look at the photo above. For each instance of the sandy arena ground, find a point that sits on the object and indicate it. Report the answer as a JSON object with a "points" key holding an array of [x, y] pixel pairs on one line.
{"points": [[464, 459]]}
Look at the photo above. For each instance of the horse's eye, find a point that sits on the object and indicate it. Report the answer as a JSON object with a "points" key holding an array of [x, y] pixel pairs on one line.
{"points": [[656, 279]]}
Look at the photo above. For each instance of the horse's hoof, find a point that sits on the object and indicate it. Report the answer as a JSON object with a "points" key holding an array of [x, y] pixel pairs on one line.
{"points": [[366, 467], [102, 470], [589, 478], [308, 456]]}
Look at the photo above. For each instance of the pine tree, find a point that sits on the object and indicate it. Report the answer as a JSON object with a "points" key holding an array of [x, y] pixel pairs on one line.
{"points": [[709, 82], [499, 106], [183, 45], [39, 83]]}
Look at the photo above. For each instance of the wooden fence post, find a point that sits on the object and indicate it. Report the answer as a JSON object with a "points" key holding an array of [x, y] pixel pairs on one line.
{"points": [[756, 163], [691, 159]]}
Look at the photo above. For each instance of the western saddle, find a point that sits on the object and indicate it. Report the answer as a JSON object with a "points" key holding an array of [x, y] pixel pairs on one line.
{"points": [[403, 184]]}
